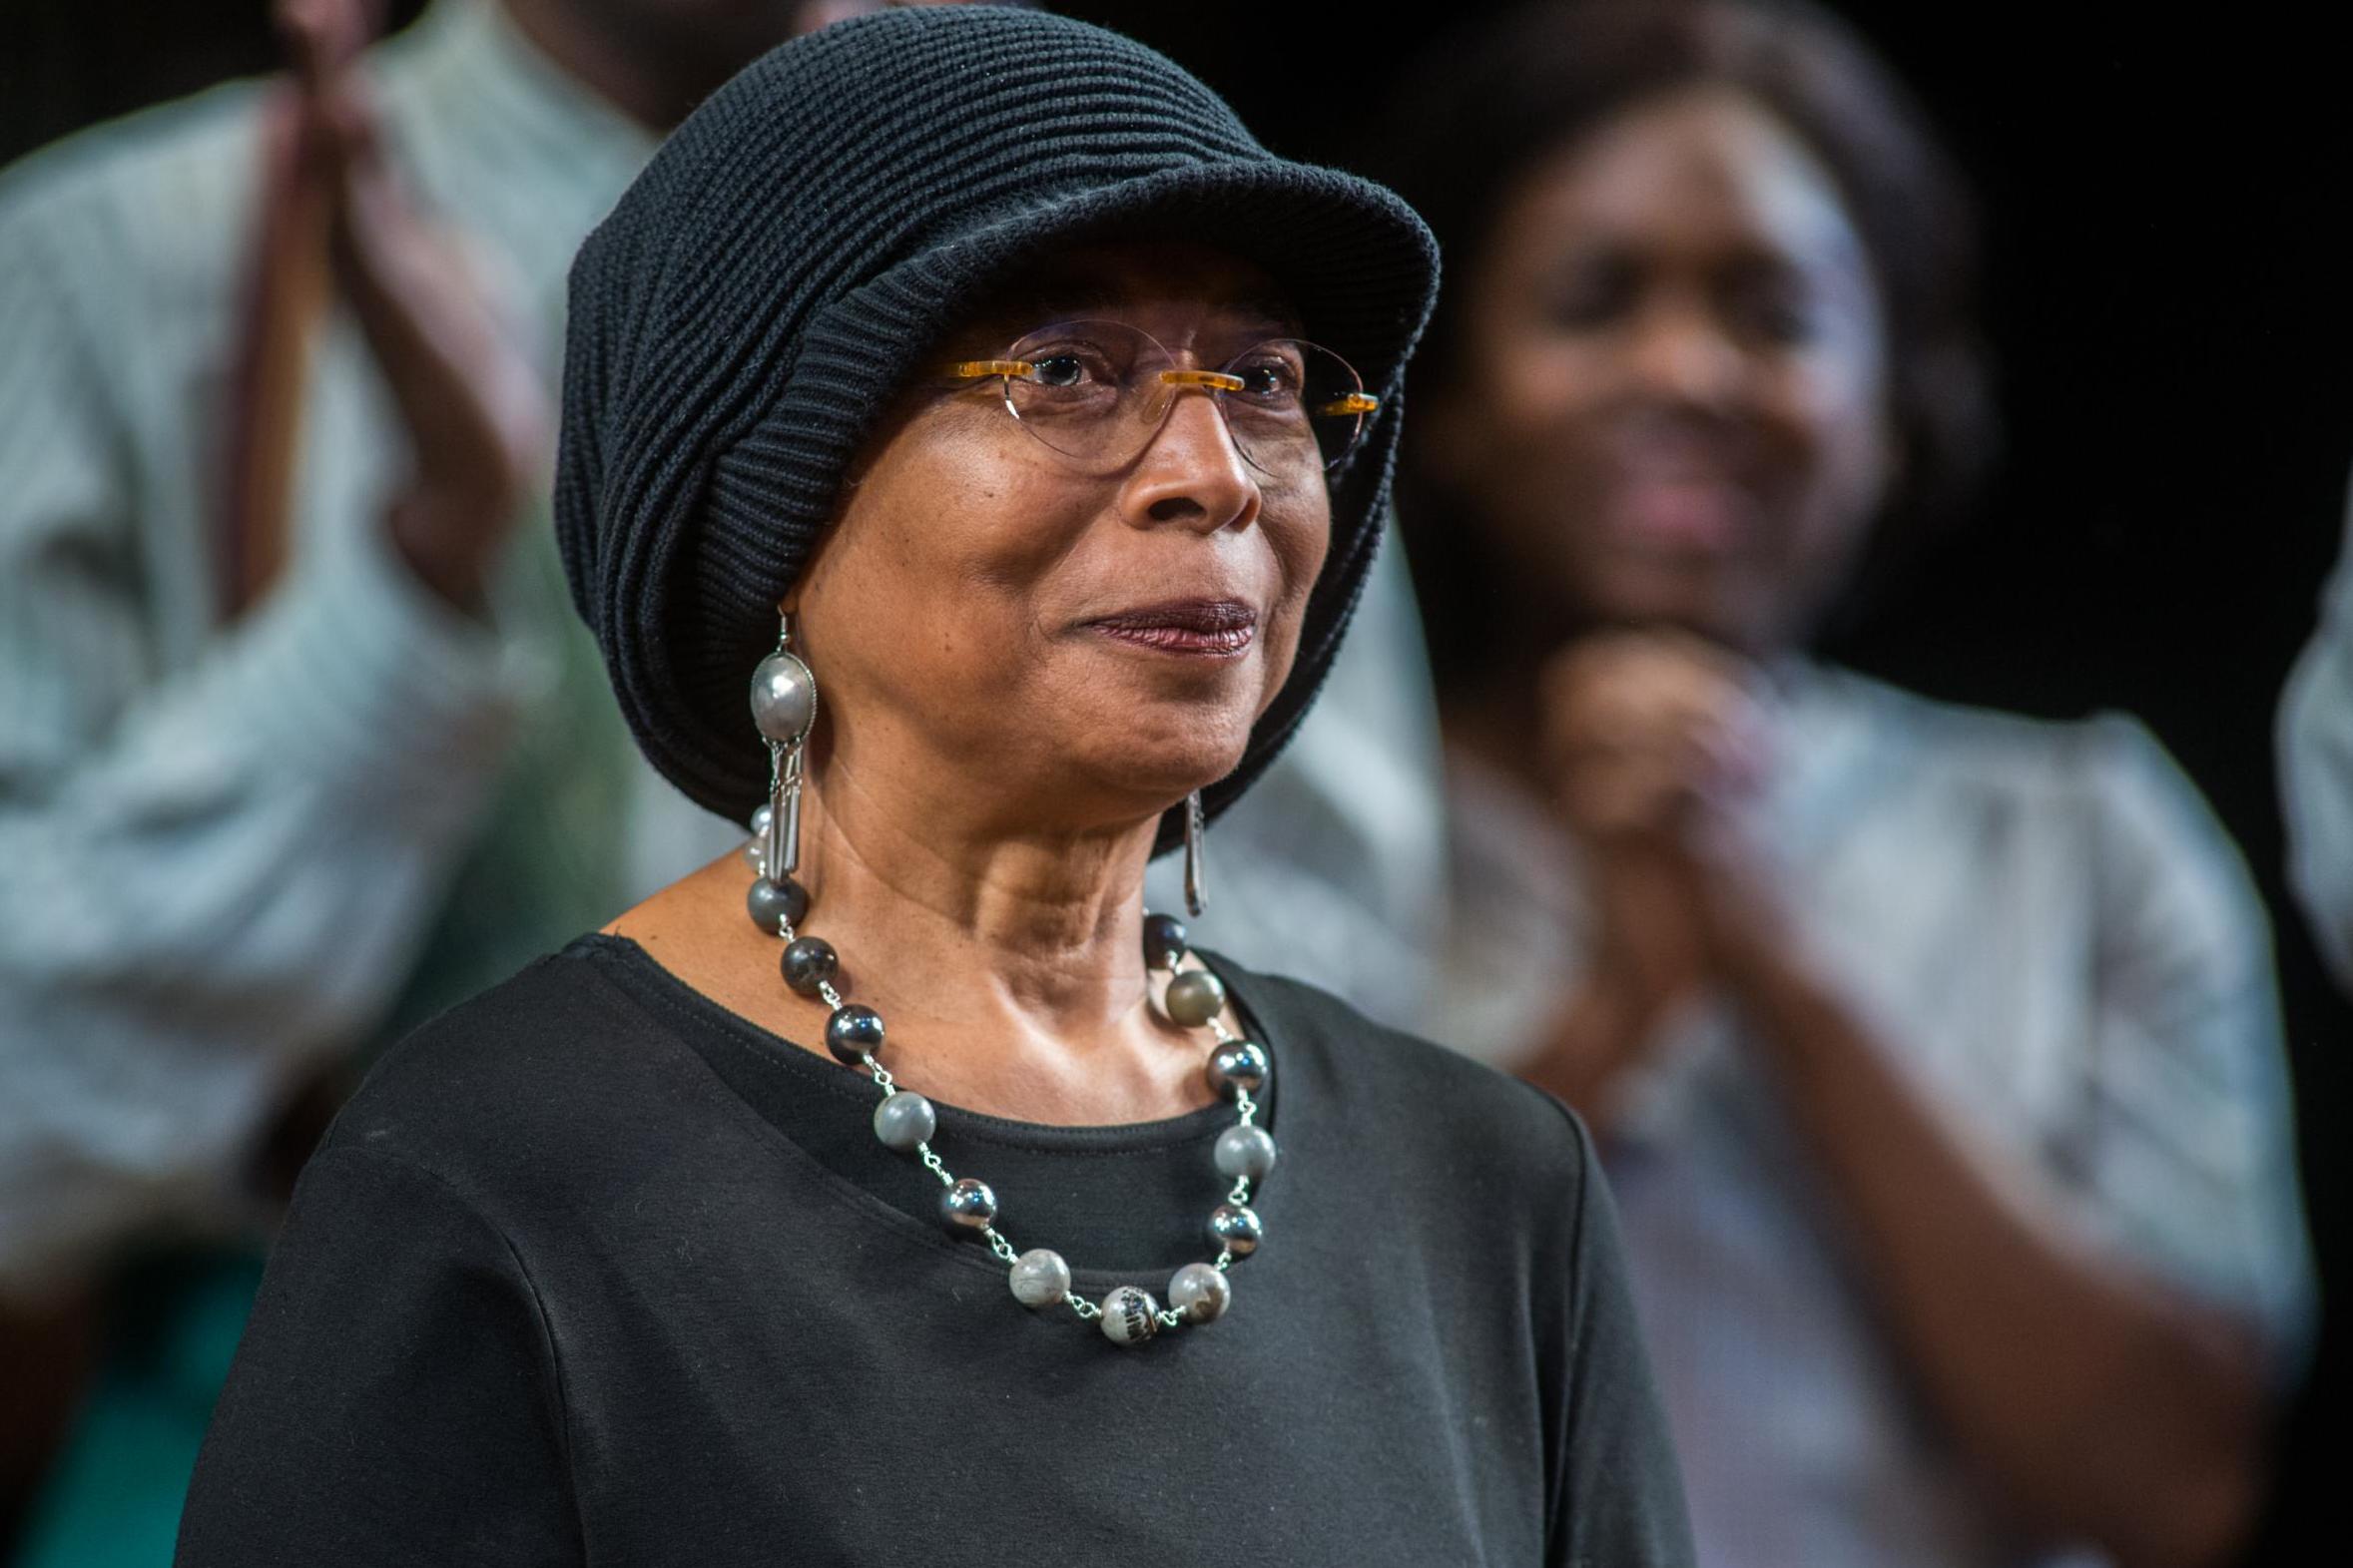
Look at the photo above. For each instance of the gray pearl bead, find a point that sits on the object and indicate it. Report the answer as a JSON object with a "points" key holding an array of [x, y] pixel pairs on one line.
{"points": [[1235, 1227], [1195, 997], [771, 901], [1201, 1292], [1130, 1316], [1238, 1064], [969, 1204], [1245, 1151], [809, 962], [1040, 1277], [756, 847], [852, 1033], [905, 1122], [1164, 940], [783, 698]]}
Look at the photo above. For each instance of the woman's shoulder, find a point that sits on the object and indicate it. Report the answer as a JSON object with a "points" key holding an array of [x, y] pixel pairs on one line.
{"points": [[2103, 786], [1994, 748], [553, 1069]]}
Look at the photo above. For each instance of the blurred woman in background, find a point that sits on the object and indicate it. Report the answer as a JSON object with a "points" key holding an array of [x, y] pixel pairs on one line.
{"points": [[1935, 1050]]}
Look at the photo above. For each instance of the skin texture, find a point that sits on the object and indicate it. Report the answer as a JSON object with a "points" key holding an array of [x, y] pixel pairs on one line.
{"points": [[1676, 432], [988, 768]]}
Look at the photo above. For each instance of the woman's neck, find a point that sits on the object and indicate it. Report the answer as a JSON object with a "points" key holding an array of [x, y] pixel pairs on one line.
{"points": [[1009, 969], [1043, 924]]}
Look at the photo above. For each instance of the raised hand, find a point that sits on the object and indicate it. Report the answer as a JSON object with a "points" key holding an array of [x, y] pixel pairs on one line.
{"points": [[476, 416], [1653, 741]]}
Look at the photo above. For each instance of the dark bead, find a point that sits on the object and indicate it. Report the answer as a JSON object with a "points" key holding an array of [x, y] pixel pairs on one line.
{"points": [[969, 1204], [1238, 1064], [773, 901], [1195, 997], [852, 1033], [810, 961], [1164, 940], [1235, 1228], [1246, 1152]]}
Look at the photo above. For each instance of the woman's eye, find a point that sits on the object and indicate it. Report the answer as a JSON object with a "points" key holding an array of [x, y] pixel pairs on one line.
{"points": [[1059, 371], [1773, 303], [1269, 380], [1589, 295], [1779, 317]]}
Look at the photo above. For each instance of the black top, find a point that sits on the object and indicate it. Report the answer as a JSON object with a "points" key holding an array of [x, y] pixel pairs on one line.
{"points": [[592, 1270]]}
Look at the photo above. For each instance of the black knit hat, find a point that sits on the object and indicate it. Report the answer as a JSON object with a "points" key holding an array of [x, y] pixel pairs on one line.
{"points": [[822, 221]]}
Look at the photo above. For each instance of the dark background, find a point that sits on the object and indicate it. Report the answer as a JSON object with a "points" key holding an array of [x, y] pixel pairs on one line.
{"points": [[2169, 303]]}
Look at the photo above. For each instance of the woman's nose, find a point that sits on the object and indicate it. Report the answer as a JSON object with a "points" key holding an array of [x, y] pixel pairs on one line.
{"points": [[1680, 353], [1191, 472]]}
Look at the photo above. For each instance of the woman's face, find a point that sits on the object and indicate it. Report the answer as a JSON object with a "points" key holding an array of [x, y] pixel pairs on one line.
{"points": [[1670, 404], [1086, 639]]}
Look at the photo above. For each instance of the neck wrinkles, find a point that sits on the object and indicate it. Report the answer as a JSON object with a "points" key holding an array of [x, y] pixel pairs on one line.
{"points": [[950, 914]]}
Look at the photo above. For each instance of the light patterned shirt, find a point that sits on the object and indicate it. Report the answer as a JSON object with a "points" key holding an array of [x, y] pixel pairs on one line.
{"points": [[2045, 923], [233, 855], [2316, 770]]}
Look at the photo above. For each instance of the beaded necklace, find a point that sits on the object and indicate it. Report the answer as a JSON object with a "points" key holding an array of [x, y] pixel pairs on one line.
{"points": [[784, 708]]}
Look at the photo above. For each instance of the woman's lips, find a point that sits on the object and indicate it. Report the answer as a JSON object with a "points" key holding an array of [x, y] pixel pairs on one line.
{"points": [[1675, 485], [1705, 516], [1193, 628]]}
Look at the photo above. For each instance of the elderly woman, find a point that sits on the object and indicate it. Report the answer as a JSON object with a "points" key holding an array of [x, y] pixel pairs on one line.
{"points": [[1934, 1049], [974, 389]]}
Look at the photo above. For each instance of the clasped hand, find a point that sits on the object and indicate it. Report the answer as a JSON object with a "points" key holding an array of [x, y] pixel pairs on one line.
{"points": [[470, 402], [1658, 750]]}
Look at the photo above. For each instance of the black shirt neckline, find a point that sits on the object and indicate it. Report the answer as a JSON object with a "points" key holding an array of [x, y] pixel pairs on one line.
{"points": [[822, 1111]]}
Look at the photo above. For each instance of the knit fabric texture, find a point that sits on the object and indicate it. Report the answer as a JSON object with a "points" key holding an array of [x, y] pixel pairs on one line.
{"points": [[795, 247]]}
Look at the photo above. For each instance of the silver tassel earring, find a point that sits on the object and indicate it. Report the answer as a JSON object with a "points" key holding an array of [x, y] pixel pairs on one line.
{"points": [[1196, 878], [784, 705]]}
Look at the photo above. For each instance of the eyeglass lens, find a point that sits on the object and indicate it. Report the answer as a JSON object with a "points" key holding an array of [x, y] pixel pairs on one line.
{"points": [[1097, 390]]}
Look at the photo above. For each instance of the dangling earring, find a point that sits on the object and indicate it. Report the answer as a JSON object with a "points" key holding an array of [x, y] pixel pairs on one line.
{"points": [[784, 705], [1196, 879]]}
